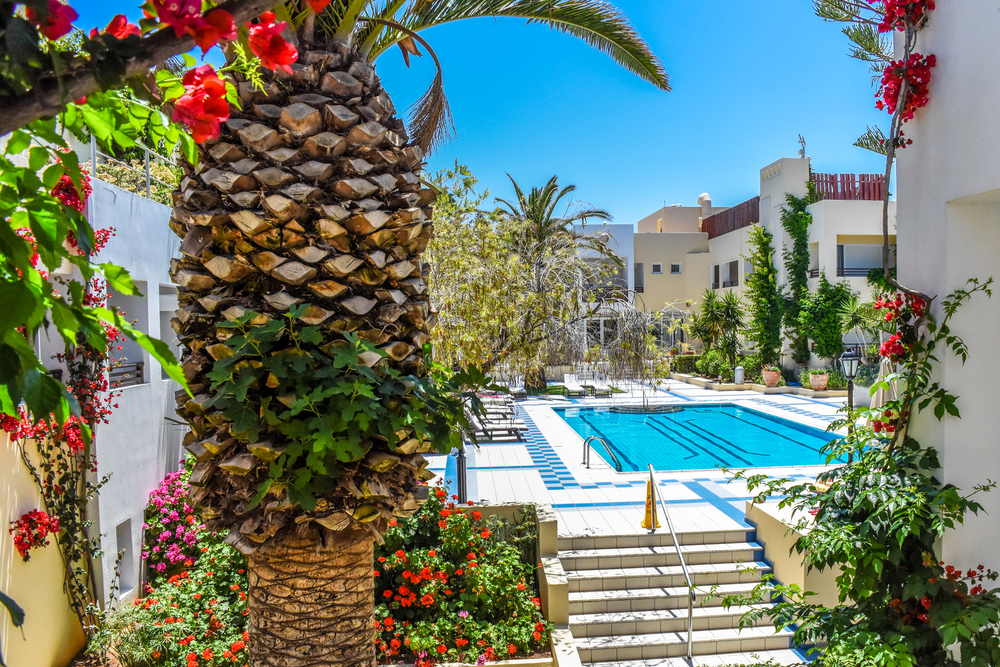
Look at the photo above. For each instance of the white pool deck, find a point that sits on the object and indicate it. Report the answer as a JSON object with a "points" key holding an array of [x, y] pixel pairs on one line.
{"points": [[547, 467]]}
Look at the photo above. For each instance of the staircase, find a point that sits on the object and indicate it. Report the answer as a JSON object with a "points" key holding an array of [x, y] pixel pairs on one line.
{"points": [[628, 602]]}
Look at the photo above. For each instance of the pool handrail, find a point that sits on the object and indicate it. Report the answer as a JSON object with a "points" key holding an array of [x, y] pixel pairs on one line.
{"points": [[677, 546], [607, 448]]}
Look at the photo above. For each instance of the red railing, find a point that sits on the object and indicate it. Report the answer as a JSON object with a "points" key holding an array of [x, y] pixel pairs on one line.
{"points": [[864, 187], [737, 217]]}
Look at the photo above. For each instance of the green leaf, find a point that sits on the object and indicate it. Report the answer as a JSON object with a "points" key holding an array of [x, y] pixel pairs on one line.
{"points": [[16, 613], [19, 140], [19, 305], [119, 278]]}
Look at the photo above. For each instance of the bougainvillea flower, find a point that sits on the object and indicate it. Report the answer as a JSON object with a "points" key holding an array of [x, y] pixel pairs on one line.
{"points": [[203, 106], [218, 25], [58, 22], [178, 14], [267, 44], [318, 5], [118, 27]]}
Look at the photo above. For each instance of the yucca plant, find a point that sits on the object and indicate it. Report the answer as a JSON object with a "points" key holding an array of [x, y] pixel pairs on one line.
{"points": [[304, 314]]}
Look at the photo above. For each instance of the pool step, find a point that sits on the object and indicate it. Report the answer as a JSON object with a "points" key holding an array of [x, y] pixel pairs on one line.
{"points": [[628, 600]]}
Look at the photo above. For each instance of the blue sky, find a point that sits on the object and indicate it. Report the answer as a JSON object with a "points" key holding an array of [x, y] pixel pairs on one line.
{"points": [[747, 78]]}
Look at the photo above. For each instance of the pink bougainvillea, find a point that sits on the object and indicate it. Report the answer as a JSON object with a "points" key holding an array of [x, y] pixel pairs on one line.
{"points": [[172, 529]]}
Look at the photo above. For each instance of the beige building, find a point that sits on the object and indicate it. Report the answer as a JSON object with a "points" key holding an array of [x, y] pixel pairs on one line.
{"points": [[680, 251]]}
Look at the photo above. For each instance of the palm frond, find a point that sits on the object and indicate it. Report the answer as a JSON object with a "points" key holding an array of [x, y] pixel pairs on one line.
{"points": [[429, 118], [873, 140], [598, 23]]}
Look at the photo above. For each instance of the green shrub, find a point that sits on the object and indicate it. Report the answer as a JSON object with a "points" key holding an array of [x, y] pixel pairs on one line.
{"points": [[752, 368], [686, 363], [455, 587]]}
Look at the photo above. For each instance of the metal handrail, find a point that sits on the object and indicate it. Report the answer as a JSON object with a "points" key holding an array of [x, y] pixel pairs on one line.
{"points": [[677, 546], [94, 153], [607, 448]]}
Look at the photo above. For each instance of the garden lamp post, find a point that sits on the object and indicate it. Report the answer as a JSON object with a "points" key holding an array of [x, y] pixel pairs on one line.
{"points": [[849, 365]]}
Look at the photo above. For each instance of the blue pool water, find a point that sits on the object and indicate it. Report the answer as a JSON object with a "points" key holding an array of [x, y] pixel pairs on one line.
{"points": [[699, 437]]}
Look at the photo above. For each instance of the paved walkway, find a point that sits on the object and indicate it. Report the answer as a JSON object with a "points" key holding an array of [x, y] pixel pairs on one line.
{"points": [[547, 467]]}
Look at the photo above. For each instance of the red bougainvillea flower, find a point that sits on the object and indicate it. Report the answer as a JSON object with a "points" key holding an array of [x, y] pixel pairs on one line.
{"points": [[267, 44], [118, 27], [203, 107], [58, 22], [900, 12], [218, 25], [181, 15], [318, 5]]}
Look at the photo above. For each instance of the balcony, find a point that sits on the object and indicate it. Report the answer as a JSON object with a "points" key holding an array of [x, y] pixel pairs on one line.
{"points": [[127, 375], [847, 272], [728, 283], [737, 217], [850, 187]]}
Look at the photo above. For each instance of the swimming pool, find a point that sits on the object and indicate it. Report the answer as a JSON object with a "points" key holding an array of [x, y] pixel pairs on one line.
{"points": [[697, 437]]}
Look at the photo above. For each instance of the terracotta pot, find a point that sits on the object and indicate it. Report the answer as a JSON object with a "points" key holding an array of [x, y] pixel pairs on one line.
{"points": [[818, 382], [771, 378]]}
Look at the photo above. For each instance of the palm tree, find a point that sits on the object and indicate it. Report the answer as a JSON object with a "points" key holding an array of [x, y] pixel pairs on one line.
{"points": [[304, 313], [710, 321], [731, 315]]}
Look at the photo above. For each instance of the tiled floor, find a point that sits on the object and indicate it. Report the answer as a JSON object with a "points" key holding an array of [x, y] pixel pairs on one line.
{"points": [[599, 501]]}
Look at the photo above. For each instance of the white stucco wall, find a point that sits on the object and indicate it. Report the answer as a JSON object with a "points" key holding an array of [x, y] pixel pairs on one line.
{"points": [[138, 446], [949, 231]]}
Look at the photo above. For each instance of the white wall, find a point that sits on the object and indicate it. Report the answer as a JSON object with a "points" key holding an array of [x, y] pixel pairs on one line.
{"points": [[949, 210], [139, 446]]}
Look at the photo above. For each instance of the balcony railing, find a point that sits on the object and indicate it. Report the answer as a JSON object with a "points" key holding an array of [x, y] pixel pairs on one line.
{"points": [[638, 289], [843, 272], [135, 176], [857, 187], [737, 217], [728, 283], [127, 375], [814, 273], [715, 285]]}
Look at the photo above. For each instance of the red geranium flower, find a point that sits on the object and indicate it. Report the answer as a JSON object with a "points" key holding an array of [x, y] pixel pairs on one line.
{"points": [[267, 44], [58, 22], [119, 28]]}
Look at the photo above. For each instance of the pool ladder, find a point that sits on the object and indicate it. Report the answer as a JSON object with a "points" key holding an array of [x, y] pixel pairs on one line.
{"points": [[687, 575], [607, 448]]}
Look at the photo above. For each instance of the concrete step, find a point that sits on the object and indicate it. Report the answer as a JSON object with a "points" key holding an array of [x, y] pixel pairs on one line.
{"points": [[605, 559], [781, 657], [660, 538], [705, 574], [648, 599], [659, 621], [674, 644]]}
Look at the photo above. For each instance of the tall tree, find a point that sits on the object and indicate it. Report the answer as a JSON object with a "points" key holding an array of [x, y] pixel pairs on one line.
{"points": [[306, 315], [795, 220], [764, 297]]}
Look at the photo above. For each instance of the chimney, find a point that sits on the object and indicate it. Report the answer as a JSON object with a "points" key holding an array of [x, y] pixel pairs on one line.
{"points": [[705, 201]]}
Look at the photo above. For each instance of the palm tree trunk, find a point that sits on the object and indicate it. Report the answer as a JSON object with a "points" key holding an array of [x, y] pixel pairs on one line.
{"points": [[312, 602]]}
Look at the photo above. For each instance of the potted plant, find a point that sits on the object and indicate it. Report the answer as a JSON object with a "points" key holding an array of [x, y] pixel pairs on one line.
{"points": [[772, 375], [818, 378]]}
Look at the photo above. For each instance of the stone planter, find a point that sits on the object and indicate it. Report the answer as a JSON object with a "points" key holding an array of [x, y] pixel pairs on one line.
{"points": [[819, 381], [771, 378]]}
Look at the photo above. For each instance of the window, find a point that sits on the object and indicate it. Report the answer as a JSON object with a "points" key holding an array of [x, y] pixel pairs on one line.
{"points": [[638, 278], [123, 537], [657, 268], [675, 268]]}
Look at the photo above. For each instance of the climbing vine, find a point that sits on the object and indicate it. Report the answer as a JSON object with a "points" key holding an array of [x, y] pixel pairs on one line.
{"points": [[795, 220], [820, 315]]}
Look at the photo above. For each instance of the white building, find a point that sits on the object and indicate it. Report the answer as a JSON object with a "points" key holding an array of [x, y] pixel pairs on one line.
{"points": [[949, 210]]}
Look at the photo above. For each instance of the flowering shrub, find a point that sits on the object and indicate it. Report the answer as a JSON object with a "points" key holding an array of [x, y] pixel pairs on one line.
{"points": [[915, 71], [172, 529], [899, 13], [31, 531], [905, 310], [448, 590], [196, 618]]}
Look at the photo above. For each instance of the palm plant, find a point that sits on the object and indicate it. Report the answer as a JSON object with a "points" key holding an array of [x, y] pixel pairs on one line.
{"points": [[304, 313], [710, 320], [731, 315]]}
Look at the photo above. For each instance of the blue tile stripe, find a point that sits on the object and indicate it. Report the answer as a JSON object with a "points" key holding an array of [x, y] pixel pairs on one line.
{"points": [[795, 410]]}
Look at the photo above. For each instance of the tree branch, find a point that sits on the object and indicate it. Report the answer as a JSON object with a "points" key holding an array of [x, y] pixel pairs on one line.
{"points": [[45, 99]]}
